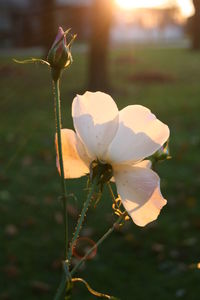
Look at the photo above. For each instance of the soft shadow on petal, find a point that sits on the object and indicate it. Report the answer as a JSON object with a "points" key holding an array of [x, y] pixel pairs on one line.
{"points": [[73, 155], [144, 164], [95, 117], [139, 135], [139, 189]]}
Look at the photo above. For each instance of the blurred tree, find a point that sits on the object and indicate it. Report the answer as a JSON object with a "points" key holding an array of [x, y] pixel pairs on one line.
{"points": [[48, 28], [196, 26], [98, 58]]}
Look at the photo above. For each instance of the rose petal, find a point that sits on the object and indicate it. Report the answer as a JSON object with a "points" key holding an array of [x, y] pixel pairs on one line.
{"points": [[139, 189], [139, 135], [59, 35], [142, 164], [95, 117], [75, 159]]}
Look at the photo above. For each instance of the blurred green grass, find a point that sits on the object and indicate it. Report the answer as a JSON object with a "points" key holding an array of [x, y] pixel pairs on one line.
{"points": [[155, 262]]}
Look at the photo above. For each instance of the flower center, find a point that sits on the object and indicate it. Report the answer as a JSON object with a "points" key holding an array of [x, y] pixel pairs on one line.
{"points": [[102, 172]]}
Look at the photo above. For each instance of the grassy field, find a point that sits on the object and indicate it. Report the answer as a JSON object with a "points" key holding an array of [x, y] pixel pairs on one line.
{"points": [[155, 262]]}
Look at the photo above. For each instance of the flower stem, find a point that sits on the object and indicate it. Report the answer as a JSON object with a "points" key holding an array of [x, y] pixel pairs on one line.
{"points": [[64, 279], [56, 86], [61, 288], [66, 274], [81, 219], [110, 230], [111, 192]]}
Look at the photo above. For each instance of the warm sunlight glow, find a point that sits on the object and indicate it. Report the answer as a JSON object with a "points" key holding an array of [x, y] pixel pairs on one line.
{"points": [[185, 6], [128, 4]]}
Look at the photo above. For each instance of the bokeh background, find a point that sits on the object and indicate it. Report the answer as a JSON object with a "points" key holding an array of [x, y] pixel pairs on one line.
{"points": [[141, 52]]}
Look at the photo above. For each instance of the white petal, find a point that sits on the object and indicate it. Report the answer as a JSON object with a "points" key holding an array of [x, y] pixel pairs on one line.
{"points": [[95, 117], [139, 189], [139, 135], [75, 159], [144, 164]]}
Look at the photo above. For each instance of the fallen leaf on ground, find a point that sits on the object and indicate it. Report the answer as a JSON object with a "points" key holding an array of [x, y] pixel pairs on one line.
{"points": [[58, 217], [157, 247], [40, 287], [56, 264], [11, 271], [87, 231], [11, 230], [73, 211]]}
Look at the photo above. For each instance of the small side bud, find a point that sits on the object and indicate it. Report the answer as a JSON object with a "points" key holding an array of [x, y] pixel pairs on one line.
{"points": [[161, 154], [59, 56]]}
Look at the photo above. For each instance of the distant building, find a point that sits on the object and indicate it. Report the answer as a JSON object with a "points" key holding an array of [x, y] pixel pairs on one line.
{"points": [[148, 25], [12, 21], [21, 22]]}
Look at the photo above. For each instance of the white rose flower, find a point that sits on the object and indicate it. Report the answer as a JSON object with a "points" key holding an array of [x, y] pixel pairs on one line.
{"points": [[122, 139]]}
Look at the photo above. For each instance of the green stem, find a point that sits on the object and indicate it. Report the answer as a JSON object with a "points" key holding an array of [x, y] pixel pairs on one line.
{"points": [[63, 284], [96, 245], [111, 192], [61, 288], [81, 219], [64, 190], [67, 275]]}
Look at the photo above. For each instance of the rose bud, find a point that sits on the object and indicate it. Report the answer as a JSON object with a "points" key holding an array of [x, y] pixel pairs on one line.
{"points": [[59, 56]]}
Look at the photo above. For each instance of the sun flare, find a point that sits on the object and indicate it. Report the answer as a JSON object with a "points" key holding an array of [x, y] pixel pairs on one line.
{"points": [[186, 6]]}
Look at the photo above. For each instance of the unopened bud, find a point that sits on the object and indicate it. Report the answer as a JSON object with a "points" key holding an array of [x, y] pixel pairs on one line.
{"points": [[162, 153], [59, 56]]}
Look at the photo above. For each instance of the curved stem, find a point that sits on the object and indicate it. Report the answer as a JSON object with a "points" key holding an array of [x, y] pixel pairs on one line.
{"points": [[80, 220], [110, 230], [92, 291], [58, 131]]}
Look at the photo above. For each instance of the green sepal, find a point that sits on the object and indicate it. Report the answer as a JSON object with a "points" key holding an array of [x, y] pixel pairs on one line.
{"points": [[162, 154], [59, 56], [100, 172], [31, 61]]}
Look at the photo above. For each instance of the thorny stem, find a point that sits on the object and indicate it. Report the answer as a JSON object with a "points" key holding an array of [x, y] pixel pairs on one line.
{"points": [[56, 87], [110, 230], [66, 270], [66, 274], [81, 219]]}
